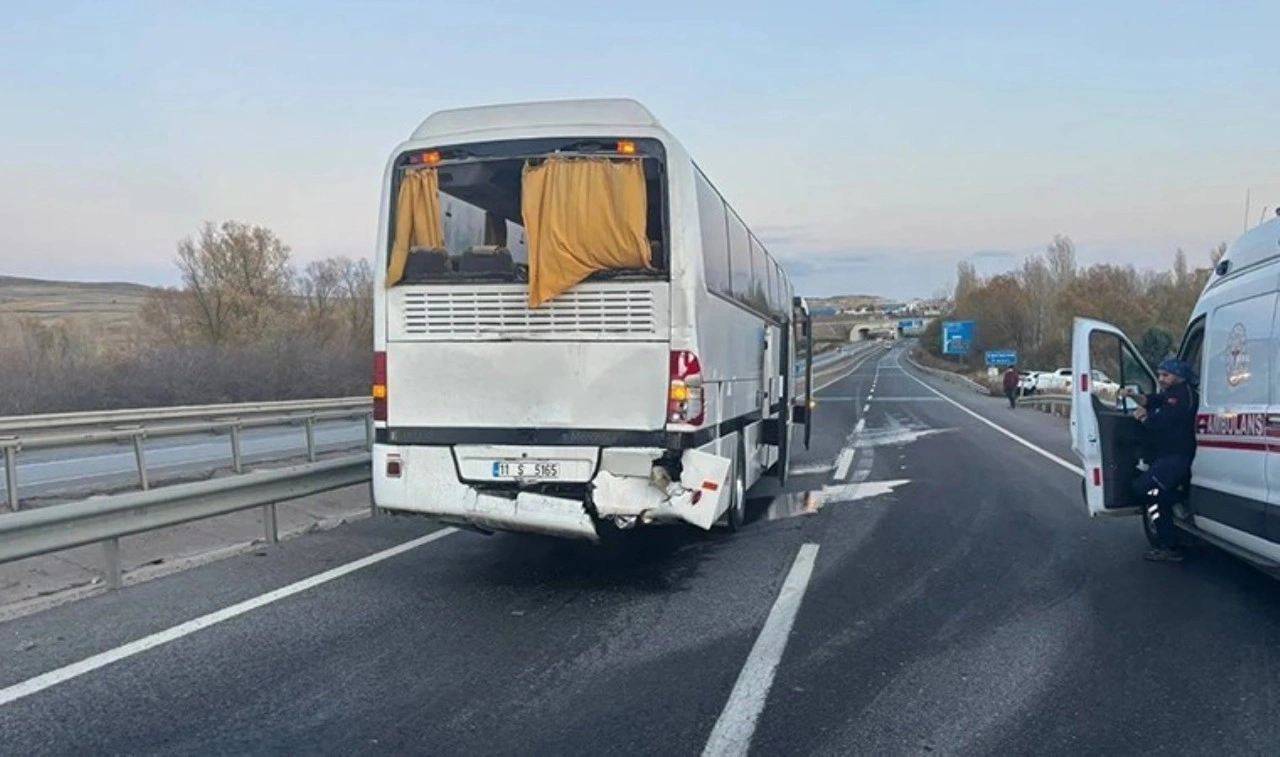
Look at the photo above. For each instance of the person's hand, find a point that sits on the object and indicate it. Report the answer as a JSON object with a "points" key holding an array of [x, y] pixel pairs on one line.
{"points": [[1126, 392], [1140, 413]]}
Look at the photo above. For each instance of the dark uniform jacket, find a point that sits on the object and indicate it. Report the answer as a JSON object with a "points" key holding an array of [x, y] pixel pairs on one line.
{"points": [[1171, 423]]}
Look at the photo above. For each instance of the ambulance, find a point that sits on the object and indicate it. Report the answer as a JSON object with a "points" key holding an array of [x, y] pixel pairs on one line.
{"points": [[1233, 499]]}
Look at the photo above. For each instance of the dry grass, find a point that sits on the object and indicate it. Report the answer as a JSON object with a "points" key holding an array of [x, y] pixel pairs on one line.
{"points": [[110, 310]]}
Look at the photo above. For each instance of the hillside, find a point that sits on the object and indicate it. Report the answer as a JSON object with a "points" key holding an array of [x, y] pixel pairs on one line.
{"points": [[845, 301], [107, 309]]}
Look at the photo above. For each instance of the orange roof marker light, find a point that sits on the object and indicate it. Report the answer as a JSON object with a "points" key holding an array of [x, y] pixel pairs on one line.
{"points": [[426, 158], [627, 147]]}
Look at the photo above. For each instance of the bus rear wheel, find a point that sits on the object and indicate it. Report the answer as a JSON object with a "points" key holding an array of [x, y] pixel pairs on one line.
{"points": [[737, 514]]}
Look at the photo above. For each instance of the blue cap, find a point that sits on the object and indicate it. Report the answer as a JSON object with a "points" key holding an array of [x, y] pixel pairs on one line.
{"points": [[1177, 368]]}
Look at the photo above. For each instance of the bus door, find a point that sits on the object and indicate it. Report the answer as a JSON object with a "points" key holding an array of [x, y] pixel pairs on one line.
{"points": [[795, 358], [807, 402]]}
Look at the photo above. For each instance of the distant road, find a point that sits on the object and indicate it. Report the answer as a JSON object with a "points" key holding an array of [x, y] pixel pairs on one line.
{"points": [[50, 471]]}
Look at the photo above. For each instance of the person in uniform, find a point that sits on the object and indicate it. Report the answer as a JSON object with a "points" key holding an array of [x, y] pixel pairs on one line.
{"points": [[1169, 422]]}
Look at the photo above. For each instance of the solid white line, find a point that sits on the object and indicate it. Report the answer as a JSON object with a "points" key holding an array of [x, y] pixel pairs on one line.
{"points": [[843, 463], [737, 723], [89, 664], [1039, 451]]}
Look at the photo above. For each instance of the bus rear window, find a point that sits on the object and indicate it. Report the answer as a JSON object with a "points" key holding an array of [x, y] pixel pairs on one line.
{"points": [[459, 214]]}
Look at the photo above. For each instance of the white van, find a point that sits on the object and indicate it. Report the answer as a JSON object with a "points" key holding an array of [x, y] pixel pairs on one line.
{"points": [[1231, 342]]}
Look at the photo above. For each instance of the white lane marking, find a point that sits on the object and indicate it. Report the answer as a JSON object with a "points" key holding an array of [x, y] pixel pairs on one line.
{"points": [[883, 398], [809, 470], [732, 732], [90, 664], [1038, 450], [865, 463], [867, 406], [843, 462], [861, 424], [860, 490]]}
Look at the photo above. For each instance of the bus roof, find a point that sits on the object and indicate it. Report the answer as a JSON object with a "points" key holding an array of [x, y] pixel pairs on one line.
{"points": [[606, 112]]}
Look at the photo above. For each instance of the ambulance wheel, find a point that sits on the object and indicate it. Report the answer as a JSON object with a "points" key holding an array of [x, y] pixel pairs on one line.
{"points": [[737, 514]]}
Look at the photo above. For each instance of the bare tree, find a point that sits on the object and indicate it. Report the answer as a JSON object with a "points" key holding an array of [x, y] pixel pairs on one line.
{"points": [[967, 281], [357, 288], [1038, 287], [238, 278], [1060, 255]]}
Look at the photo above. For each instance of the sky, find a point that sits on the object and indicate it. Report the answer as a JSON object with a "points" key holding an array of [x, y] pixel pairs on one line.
{"points": [[871, 146]]}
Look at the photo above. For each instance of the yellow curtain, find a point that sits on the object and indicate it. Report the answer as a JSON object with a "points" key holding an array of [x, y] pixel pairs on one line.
{"points": [[582, 215], [418, 219]]}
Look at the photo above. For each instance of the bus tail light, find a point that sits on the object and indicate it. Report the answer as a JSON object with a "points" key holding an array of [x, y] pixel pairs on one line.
{"points": [[379, 386], [685, 400]]}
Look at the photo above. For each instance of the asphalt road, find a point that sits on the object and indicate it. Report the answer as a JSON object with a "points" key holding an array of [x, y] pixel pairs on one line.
{"points": [[49, 471], [950, 597]]}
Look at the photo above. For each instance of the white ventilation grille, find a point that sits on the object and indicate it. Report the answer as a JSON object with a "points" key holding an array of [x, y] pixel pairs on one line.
{"points": [[489, 312]]}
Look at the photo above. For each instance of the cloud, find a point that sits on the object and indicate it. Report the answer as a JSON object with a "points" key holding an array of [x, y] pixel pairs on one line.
{"points": [[993, 255], [779, 237], [900, 273]]}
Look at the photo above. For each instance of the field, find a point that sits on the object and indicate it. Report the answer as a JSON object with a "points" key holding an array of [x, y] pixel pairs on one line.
{"points": [[108, 310]]}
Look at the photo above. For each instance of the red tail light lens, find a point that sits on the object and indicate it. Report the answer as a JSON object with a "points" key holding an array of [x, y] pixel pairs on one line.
{"points": [[685, 399], [379, 386]]}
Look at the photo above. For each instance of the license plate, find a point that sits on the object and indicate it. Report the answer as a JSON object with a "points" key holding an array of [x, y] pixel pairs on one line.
{"points": [[536, 470]]}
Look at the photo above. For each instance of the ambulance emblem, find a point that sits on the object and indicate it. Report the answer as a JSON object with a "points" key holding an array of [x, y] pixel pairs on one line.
{"points": [[1237, 355]]}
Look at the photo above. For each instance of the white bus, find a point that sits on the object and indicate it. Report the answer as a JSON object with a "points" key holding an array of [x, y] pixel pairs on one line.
{"points": [[574, 331]]}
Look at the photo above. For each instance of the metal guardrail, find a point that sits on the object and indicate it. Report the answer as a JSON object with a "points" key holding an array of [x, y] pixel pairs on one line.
{"points": [[830, 367], [954, 378], [17, 425], [107, 519], [29, 432], [1059, 405]]}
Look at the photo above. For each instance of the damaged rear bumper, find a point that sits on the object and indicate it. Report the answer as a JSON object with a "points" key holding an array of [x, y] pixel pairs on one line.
{"points": [[627, 486]]}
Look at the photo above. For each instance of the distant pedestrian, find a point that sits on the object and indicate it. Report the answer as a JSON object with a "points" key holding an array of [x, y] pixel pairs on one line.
{"points": [[1011, 386]]}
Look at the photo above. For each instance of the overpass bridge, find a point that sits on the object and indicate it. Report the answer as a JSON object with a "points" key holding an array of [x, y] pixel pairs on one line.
{"points": [[854, 328]]}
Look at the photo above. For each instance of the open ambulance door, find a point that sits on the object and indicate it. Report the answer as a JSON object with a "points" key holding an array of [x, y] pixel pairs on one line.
{"points": [[1104, 433]]}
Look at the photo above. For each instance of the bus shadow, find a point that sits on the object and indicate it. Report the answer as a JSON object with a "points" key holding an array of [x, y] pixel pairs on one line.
{"points": [[655, 559], [643, 559]]}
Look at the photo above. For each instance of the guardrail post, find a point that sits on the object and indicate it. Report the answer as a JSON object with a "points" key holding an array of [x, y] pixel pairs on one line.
{"points": [[237, 462], [368, 432], [269, 523], [11, 473], [140, 453], [111, 558], [311, 438]]}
